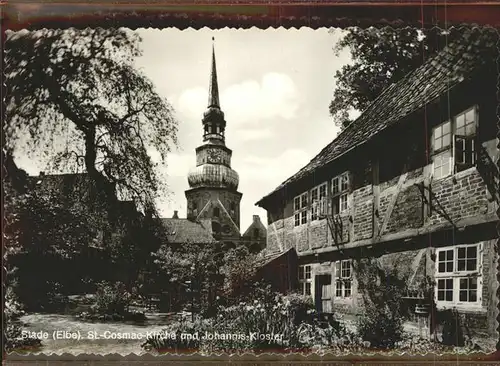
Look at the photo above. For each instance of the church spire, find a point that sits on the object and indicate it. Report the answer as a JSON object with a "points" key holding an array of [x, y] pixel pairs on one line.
{"points": [[213, 88], [214, 125]]}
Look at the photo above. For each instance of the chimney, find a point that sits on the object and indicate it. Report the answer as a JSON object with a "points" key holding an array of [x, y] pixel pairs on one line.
{"points": [[42, 174], [176, 216], [256, 218]]}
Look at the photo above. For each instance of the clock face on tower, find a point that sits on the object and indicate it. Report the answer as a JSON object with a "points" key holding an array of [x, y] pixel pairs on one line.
{"points": [[215, 156]]}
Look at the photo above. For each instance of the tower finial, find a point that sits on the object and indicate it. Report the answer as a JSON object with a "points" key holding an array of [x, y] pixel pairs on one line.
{"points": [[213, 88]]}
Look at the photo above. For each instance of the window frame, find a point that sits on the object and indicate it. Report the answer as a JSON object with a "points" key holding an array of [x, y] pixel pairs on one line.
{"points": [[304, 280], [342, 279], [455, 276], [315, 203], [342, 194], [300, 214], [451, 148]]}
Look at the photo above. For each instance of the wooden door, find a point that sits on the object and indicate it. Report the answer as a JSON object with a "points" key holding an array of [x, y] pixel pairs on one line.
{"points": [[323, 293]]}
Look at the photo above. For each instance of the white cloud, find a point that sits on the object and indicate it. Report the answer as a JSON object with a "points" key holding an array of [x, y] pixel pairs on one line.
{"points": [[248, 102], [274, 97], [192, 102]]}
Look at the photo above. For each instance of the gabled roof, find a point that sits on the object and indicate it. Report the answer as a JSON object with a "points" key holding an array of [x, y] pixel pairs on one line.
{"points": [[184, 230], [256, 224], [454, 64]]}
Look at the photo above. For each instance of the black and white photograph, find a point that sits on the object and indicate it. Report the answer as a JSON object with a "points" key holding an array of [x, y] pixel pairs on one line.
{"points": [[231, 191]]}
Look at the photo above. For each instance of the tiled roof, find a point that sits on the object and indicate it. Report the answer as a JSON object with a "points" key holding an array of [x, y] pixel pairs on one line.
{"points": [[454, 64], [184, 230]]}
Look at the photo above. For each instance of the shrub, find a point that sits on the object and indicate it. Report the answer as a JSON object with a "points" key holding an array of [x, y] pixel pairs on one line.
{"points": [[12, 339], [173, 339], [381, 327], [112, 299], [111, 302], [252, 326], [382, 290]]}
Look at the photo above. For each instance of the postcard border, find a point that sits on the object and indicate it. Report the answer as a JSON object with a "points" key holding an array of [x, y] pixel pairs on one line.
{"points": [[261, 14]]}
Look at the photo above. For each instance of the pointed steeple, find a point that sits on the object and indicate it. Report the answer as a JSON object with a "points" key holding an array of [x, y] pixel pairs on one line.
{"points": [[213, 88], [214, 125]]}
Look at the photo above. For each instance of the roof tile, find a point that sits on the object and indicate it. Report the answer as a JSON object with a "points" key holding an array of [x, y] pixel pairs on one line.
{"points": [[184, 230]]}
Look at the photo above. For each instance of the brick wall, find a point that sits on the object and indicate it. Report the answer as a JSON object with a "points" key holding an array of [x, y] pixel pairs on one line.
{"points": [[462, 195], [408, 210], [363, 213]]}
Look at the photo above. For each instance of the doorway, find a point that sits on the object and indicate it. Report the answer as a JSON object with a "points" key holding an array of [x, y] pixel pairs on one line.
{"points": [[323, 293]]}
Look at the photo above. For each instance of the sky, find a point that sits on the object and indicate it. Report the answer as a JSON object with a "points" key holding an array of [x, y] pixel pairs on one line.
{"points": [[275, 88]]}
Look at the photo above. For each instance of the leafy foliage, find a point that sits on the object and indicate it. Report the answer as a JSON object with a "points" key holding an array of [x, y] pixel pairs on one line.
{"points": [[382, 289], [257, 325], [37, 223], [41, 233], [112, 298], [381, 57], [208, 272], [82, 85], [12, 336]]}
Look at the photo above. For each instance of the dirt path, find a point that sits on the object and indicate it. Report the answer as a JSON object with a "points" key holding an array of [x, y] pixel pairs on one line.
{"points": [[51, 323]]}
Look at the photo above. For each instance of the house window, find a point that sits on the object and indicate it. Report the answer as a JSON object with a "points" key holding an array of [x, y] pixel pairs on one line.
{"points": [[340, 193], [232, 208], [305, 279], [343, 279], [255, 233], [216, 212], [300, 209], [458, 275], [454, 144], [317, 194]]}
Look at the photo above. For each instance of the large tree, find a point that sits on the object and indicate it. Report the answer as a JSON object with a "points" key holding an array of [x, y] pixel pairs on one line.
{"points": [[381, 56], [81, 86]]}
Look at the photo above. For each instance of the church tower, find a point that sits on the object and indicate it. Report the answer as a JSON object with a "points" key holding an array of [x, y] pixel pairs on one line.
{"points": [[213, 184]]}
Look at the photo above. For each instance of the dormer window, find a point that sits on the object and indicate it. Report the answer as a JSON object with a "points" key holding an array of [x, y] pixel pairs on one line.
{"points": [[300, 209], [453, 144], [340, 193]]}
